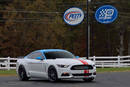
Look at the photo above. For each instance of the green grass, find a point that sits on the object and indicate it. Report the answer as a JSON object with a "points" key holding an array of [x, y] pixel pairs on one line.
{"points": [[7, 72], [99, 70], [126, 69]]}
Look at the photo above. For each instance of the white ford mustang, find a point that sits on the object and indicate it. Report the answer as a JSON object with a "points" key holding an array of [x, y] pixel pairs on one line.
{"points": [[55, 64]]}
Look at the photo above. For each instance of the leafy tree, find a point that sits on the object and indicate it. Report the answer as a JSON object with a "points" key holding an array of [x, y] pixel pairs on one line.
{"points": [[27, 25]]}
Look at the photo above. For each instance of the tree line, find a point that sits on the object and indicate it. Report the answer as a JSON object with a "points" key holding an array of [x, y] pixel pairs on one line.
{"points": [[28, 25]]}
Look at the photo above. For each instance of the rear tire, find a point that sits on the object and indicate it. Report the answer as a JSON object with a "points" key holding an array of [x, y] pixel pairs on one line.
{"points": [[22, 74], [88, 79], [52, 74]]}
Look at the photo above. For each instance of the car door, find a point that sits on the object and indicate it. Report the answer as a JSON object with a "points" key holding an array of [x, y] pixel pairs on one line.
{"points": [[36, 66]]}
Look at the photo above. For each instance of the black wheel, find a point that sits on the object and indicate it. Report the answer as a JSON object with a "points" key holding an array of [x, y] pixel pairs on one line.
{"points": [[22, 74], [52, 74], [88, 79]]}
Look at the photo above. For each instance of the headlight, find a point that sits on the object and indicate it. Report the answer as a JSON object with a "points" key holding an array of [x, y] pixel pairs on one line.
{"points": [[94, 65], [62, 66]]}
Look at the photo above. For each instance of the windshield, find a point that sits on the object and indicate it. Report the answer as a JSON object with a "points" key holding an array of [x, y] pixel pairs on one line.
{"points": [[58, 54]]}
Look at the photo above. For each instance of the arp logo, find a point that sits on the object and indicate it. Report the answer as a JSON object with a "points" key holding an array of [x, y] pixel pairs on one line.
{"points": [[73, 15]]}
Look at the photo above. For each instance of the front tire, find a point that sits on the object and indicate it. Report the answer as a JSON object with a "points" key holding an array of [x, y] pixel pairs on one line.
{"points": [[52, 74], [22, 74]]}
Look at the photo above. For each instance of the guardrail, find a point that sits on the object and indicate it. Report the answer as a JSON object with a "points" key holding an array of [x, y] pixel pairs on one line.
{"points": [[115, 61]]}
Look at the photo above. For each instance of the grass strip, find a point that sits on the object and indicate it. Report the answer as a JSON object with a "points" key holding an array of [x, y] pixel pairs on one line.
{"points": [[122, 69], [7, 72]]}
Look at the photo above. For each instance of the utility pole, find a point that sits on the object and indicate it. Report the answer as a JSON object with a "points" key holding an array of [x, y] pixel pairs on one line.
{"points": [[87, 33]]}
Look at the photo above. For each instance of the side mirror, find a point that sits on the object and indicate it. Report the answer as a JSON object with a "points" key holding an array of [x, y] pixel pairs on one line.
{"points": [[38, 58], [77, 56]]}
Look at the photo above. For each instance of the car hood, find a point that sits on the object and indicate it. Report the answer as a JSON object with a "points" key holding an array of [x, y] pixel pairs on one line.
{"points": [[66, 61]]}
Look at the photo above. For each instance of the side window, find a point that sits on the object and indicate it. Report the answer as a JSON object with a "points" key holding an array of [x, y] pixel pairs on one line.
{"points": [[29, 55], [38, 54], [34, 55]]}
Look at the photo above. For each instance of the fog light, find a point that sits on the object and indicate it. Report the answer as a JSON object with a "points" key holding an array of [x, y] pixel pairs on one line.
{"points": [[65, 74], [94, 73]]}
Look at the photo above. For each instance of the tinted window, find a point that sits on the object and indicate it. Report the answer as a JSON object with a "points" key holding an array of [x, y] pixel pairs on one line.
{"points": [[58, 54]]}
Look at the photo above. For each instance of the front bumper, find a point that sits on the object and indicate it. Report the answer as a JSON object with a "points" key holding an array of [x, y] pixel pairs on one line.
{"points": [[66, 73]]}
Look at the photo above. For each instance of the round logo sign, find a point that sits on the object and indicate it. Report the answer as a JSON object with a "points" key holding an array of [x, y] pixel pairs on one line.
{"points": [[73, 16], [106, 14]]}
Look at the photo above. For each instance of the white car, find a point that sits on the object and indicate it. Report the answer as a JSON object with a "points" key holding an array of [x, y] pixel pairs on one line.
{"points": [[55, 64]]}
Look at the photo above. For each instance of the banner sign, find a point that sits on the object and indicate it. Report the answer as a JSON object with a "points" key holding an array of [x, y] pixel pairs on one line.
{"points": [[73, 16], [106, 14]]}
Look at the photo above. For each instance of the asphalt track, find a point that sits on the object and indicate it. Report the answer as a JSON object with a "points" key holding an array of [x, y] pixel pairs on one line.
{"points": [[113, 79]]}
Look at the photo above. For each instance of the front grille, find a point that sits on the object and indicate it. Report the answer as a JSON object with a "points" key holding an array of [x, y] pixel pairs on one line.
{"points": [[82, 67], [85, 74]]}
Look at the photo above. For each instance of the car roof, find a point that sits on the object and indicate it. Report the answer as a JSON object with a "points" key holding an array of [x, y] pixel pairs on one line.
{"points": [[50, 50]]}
